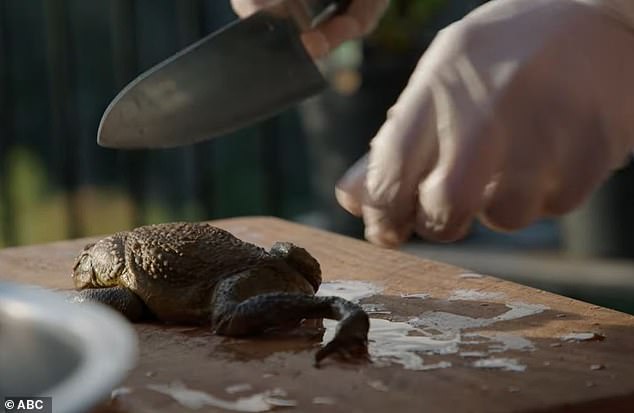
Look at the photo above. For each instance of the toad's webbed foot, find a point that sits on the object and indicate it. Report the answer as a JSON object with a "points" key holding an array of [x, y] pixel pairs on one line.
{"points": [[351, 337], [262, 312], [119, 298]]}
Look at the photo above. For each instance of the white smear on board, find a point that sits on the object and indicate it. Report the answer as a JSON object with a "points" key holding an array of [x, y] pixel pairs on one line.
{"points": [[350, 290], [389, 342], [470, 275], [195, 399], [503, 342], [378, 385], [520, 310], [439, 365], [375, 309], [239, 388], [120, 391], [449, 324], [475, 295], [434, 332], [392, 342], [505, 364], [453, 323], [589, 336], [474, 354], [421, 296], [324, 400]]}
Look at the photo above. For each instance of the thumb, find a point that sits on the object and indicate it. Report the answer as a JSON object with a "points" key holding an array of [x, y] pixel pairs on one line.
{"points": [[245, 8], [350, 190]]}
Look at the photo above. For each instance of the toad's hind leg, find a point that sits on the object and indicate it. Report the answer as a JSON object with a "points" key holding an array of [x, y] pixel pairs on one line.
{"points": [[256, 314], [119, 298]]}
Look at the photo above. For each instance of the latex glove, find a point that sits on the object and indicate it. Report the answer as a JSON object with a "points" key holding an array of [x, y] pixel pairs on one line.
{"points": [[361, 18], [516, 112]]}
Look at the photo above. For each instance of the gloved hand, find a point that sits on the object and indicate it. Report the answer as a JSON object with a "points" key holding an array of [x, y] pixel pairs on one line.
{"points": [[360, 19], [516, 112]]}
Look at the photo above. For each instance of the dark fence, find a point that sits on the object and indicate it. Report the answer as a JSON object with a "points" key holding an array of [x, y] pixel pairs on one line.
{"points": [[62, 61]]}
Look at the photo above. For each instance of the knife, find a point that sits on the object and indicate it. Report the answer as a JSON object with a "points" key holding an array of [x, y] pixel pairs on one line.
{"points": [[247, 71]]}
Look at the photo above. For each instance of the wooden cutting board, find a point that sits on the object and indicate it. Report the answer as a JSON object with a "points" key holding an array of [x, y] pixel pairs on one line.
{"points": [[443, 341]]}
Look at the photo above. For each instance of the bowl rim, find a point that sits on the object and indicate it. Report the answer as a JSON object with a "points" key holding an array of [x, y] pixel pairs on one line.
{"points": [[106, 341]]}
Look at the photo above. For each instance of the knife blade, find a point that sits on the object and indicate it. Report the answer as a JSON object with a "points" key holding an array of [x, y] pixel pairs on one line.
{"points": [[247, 71]]}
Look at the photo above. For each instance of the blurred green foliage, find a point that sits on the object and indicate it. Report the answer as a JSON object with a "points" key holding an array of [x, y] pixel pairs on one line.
{"points": [[238, 182], [57, 183]]}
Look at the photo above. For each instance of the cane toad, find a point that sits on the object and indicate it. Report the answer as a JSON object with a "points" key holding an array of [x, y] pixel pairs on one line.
{"points": [[197, 273]]}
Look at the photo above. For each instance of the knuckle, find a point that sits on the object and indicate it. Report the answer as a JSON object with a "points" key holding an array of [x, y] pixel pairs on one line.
{"points": [[457, 34], [446, 209], [505, 217], [446, 232]]}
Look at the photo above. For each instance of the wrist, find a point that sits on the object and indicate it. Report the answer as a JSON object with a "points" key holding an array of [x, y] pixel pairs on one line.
{"points": [[622, 10]]}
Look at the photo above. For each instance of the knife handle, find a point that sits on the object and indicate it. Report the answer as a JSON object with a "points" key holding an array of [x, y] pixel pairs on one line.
{"points": [[310, 13]]}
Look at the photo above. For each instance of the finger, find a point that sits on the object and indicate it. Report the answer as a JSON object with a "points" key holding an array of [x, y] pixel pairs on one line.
{"points": [[360, 19], [406, 148], [330, 35], [367, 13], [517, 199], [390, 230], [403, 151], [471, 150], [350, 193], [437, 218], [574, 190], [350, 190], [580, 171], [316, 43], [453, 194], [245, 8]]}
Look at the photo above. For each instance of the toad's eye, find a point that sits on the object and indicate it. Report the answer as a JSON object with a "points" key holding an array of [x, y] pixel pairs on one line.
{"points": [[79, 262], [83, 273], [86, 263], [83, 262]]}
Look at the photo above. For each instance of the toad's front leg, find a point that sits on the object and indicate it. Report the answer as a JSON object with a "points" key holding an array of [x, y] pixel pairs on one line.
{"points": [[119, 298]]}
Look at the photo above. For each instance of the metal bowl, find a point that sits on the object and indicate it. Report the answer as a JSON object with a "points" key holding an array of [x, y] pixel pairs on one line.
{"points": [[74, 353]]}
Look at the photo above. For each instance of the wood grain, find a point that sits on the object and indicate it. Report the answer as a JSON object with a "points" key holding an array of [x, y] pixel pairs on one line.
{"points": [[558, 376]]}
